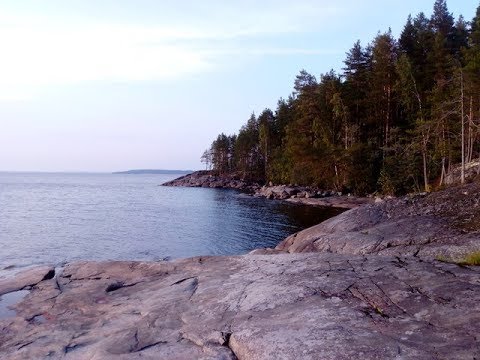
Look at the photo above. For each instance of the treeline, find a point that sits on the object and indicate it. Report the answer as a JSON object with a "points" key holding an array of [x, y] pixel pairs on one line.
{"points": [[398, 117]]}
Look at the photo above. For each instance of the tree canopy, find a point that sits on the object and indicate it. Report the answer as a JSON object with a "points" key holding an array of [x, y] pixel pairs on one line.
{"points": [[397, 118]]}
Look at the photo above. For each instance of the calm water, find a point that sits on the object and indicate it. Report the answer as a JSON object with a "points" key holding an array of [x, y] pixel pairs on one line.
{"points": [[53, 218]]}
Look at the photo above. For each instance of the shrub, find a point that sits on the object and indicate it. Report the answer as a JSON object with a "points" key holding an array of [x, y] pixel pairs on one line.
{"points": [[472, 259]]}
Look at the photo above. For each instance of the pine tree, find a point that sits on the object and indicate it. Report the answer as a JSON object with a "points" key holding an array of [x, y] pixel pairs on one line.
{"points": [[442, 22], [281, 163], [266, 137], [300, 134], [356, 74], [247, 151], [384, 57], [407, 40], [221, 154]]}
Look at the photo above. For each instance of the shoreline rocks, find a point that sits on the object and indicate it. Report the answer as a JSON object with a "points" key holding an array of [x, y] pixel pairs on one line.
{"points": [[343, 202], [292, 193], [208, 179], [311, 196], [283, 192]]}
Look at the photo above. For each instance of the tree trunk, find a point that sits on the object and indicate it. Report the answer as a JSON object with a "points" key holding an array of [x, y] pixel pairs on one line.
{"points": [[462, 176], [471, 139], [424, 157], [443, 175]]}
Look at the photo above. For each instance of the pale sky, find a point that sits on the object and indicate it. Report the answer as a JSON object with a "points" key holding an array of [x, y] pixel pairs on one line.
{"points": [[106, 85]]}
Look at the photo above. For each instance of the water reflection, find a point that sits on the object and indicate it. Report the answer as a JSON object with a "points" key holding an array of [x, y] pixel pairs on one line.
{"points": [[7, 300]]}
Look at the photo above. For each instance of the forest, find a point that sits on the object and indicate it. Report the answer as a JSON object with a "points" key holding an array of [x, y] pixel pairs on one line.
{"points": [[401, 114]]}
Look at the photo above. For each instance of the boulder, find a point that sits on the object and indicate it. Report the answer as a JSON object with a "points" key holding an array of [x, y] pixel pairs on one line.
{"points": [[301, 194]]}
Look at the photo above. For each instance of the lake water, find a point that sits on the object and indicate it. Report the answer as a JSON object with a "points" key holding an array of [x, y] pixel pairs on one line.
{"points": [[54, 218]]}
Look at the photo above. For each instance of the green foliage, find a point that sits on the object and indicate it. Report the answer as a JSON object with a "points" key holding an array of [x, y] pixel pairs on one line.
{"points": [[391, 122], [471, 259], [386, 183], [364, 167]]}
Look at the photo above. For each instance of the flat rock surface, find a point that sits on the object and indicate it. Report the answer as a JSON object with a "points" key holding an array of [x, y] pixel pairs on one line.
{"points": [[344, 202], [287, 306]]}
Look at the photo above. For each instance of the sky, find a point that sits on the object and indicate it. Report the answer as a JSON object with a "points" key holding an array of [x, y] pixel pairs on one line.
{"points": [[107, 85]]}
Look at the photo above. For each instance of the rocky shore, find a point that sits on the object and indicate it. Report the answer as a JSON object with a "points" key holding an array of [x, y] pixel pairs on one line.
{"points": [[443, 225], [296, 194], [381, 281], [210, 180]]}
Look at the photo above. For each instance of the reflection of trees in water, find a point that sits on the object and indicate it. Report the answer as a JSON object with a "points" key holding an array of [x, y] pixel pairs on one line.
{"points": [[254, 216], [238, 223], [303, 216]]}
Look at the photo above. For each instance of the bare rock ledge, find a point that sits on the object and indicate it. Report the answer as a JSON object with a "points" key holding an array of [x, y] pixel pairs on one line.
{"points": [[445, 224], [287, 306]]}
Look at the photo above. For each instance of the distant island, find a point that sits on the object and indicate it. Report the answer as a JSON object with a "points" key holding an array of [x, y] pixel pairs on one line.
{"points": [[153, 171]]}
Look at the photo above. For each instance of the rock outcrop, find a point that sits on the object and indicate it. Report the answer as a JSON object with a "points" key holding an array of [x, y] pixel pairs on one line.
{"points": [[210, 180], [472, 170], [288, 306], [443, 225], [282, 192], [310, 196]]}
